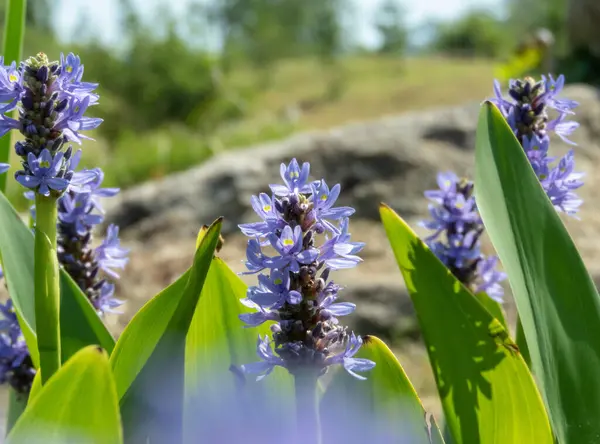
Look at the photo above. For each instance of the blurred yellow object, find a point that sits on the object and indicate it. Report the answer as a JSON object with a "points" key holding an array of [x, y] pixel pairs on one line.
{"points": [[526, 62]]}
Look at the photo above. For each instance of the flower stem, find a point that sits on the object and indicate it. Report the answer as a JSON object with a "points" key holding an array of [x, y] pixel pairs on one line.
{"points": [[47, 286], [307, 409]]}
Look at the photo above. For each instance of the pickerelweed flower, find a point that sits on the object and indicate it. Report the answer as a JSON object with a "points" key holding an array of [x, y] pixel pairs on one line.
{"points": [[16, 367], [527, 111], [52, 100], [93, 269], [456, 240], [294, 289]]}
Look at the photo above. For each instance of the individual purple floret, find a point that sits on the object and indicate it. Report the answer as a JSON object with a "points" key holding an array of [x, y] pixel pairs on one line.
{"points": [[43, 173], [16, 367], [527, 112], [52, 101], [295, 291], [456, 239]]}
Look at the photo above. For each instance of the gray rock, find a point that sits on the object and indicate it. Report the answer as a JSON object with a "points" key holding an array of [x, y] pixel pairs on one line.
{"points": [[392, 160]]}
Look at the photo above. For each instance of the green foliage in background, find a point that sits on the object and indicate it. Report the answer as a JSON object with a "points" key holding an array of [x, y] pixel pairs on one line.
{"points": [[478, 33]]}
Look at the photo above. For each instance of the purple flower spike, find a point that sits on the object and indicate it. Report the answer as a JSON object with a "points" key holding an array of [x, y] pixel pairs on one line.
{"points": [[93, 269], [43, 176], [528, 115], [52, 101], [296, 293], [458, 227]]}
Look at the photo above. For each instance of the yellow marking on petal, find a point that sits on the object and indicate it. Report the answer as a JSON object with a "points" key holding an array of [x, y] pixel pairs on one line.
{"points": [[459, 205], [267, 208], [535, 147], [288, 242], [13, 78], [324, 197], [278, 281], [543, 176], [44, 164], [69, 69], [77, 108]]}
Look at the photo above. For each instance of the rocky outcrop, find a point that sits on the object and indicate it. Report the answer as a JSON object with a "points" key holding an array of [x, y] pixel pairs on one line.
{"points": [[391, 160]]}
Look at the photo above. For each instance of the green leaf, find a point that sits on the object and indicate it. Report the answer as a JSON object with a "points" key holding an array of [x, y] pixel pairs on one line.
{"points": [[487, 391], [385, 403], [78, 404], [36, 385], [149, 358], [556, 298], [12, 47], [493, 307], [80, 324]]}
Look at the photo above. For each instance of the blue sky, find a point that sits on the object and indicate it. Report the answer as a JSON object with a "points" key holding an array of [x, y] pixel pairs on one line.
{"points": [[101, 13]]}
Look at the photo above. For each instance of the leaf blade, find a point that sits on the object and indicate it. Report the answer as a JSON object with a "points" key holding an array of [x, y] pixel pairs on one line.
{"points": [[88, 411], [470, 351], [558, 303]]}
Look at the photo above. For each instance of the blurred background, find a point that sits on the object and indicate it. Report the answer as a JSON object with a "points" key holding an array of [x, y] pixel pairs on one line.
{"points": [[202, 99], [183, 80]]}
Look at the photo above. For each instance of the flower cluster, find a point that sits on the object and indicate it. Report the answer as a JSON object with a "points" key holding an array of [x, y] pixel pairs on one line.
{"points": [[52, 100], [295, 291], [16, 367], [526, 111], [93, 269], [456, 239]]}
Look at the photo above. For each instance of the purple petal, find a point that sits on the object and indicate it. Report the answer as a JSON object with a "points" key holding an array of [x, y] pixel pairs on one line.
{"points": [[341, 309], [308, 256]]}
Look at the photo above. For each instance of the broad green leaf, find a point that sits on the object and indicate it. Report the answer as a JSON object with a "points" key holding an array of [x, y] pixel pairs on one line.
{"points": [[487, 391], [556, 298], [386, 403], [78, 404], [149, 358], [80, 325], [12, 46]]}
